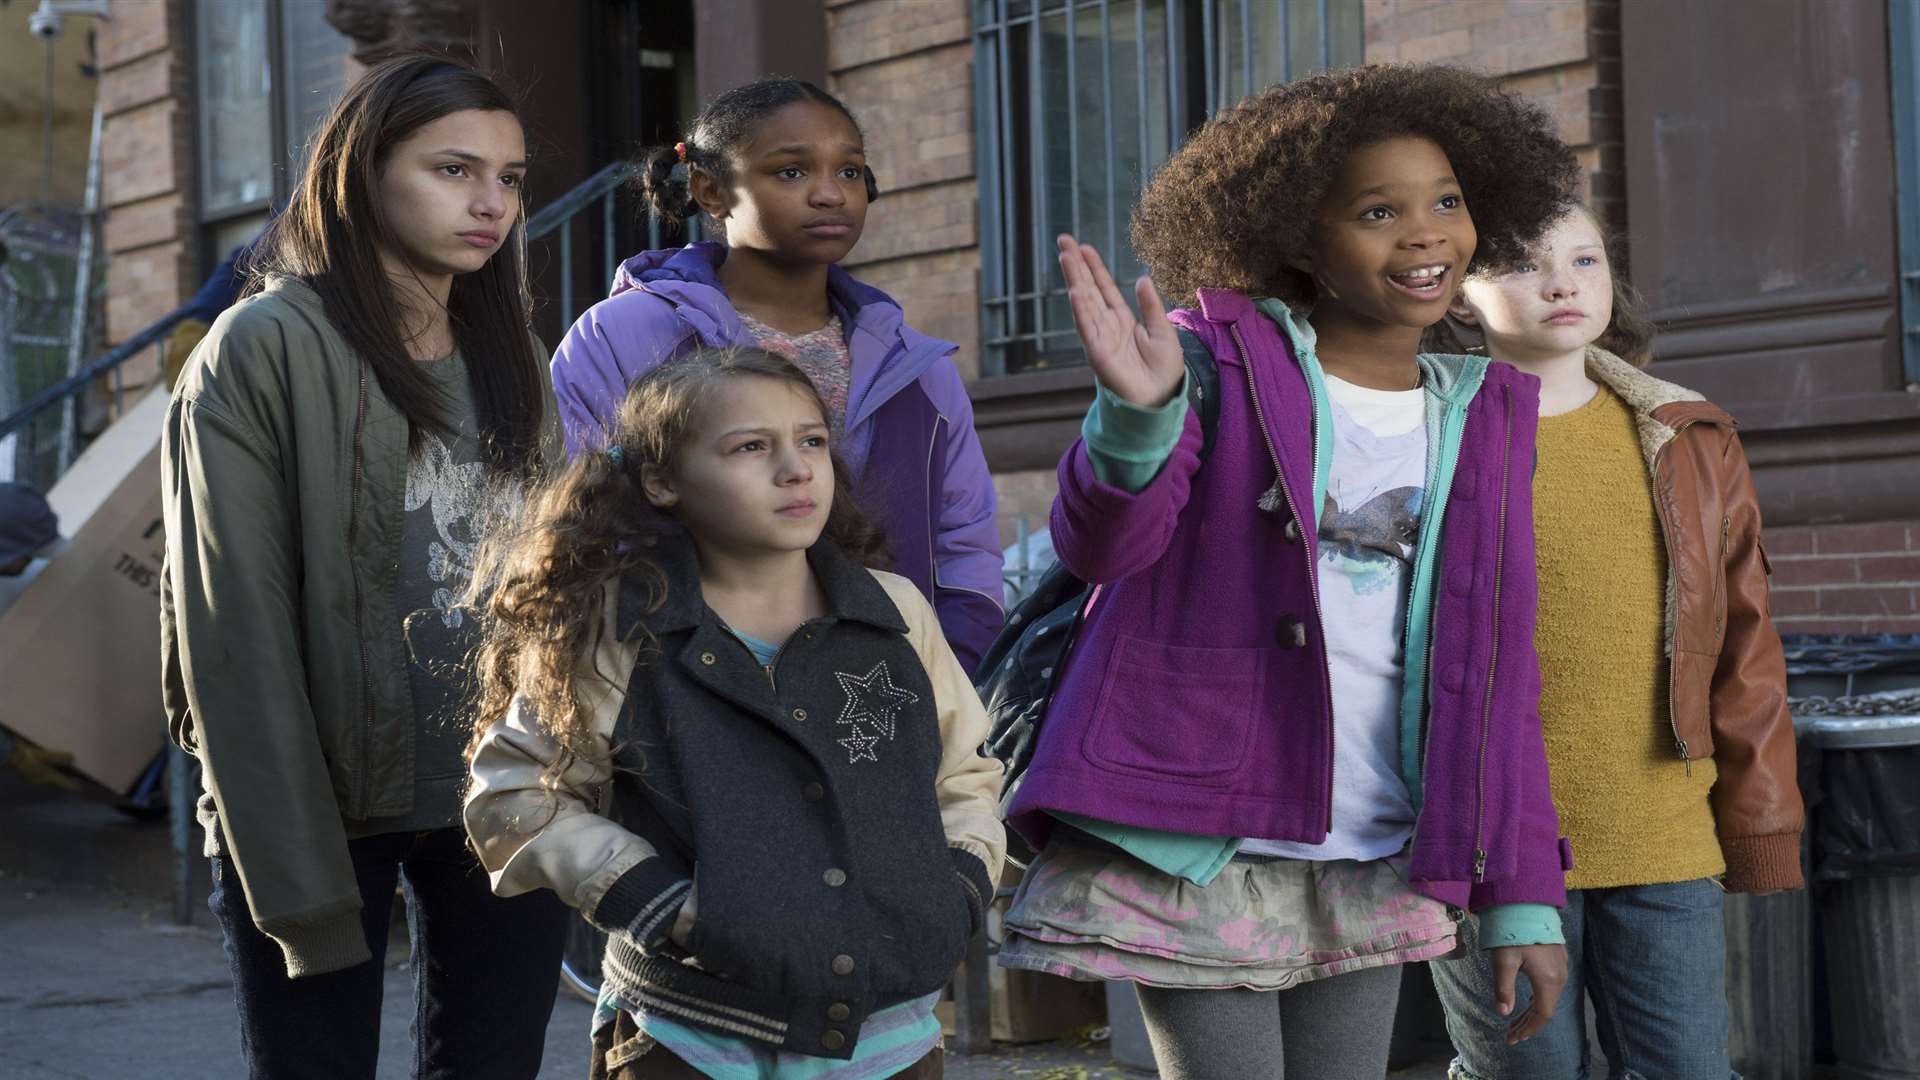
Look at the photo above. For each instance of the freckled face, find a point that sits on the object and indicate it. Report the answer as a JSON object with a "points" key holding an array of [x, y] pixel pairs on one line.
{"points": [[1393, 235], [451, 192], [1557, 300]]}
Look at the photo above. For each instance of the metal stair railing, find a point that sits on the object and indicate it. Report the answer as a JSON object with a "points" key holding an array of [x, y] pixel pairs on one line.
{"points": [[108, 365], [596, 193]]}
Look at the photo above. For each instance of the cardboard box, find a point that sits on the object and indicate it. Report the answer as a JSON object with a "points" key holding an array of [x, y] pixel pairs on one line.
{"points": [[80, 648]]}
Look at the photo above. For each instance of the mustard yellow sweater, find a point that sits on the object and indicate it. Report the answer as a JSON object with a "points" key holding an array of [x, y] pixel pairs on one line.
{"points": [[1627, 804]]}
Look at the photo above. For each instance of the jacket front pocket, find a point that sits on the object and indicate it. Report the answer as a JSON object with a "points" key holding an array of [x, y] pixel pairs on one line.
{"points": [[1175, 710]]}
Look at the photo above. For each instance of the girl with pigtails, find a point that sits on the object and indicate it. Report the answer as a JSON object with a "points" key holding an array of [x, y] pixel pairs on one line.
{"points": [[780, 168]]}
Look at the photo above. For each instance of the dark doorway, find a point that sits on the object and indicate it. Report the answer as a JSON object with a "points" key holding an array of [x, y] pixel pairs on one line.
{"points": [[641, 94]]}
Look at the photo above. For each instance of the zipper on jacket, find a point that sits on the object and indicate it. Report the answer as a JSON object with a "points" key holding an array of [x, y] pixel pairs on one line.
{"points": [[1313, 571], [772, 662], [1493, 658], [359, 602], [1720, 578], [1719, 617], [1665, 516]]}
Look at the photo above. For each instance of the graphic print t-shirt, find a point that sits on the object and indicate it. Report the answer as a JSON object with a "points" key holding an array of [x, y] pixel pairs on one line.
{"points": [[1375, 494], [446, 488]]}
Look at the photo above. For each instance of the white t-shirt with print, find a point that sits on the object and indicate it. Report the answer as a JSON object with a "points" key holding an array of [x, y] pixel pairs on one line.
{"points": [[1375, 494]]}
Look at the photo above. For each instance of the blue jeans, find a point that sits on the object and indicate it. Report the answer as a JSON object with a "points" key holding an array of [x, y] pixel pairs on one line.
{"points": [[1652, 958], [485, 971]]}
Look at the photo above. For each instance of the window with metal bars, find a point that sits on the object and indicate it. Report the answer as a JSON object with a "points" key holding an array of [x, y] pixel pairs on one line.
{"points": [[1077, 102]]}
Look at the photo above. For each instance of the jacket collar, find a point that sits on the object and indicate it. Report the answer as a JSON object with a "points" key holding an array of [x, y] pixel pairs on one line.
{"points": [[1660, 408], [852, 592], [689, 278], [887, 353]]}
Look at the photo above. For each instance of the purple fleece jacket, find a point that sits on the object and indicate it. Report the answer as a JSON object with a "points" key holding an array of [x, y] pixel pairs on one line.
{"points": [[1197, 699], [910, 441]]}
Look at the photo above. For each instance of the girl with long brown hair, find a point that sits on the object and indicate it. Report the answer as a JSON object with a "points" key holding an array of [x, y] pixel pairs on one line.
{"points": [[327, 458], [693, 672]]}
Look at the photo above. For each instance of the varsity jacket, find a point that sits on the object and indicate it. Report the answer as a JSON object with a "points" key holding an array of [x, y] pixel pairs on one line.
{"points": [[832, 811]]}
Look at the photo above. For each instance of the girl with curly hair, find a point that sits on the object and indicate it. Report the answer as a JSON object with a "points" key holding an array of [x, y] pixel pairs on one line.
{"points": [[694, 691], [779, 169], [1665, 721], [1296, 742]]}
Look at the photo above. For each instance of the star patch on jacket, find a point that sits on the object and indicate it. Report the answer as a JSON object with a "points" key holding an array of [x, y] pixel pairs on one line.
{"points": [[873, 701]]}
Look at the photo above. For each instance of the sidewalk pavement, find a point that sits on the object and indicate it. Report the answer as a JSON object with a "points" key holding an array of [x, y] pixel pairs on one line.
{"points": [[99, 983], [96, 980]]}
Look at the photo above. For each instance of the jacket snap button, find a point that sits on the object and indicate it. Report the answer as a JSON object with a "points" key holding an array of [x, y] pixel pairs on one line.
{"points": [[1292, 531], [833, 1040], [843, 964], [1292, 633], [707, 658], [834, 878], [838, 1012], [813, 792], [800, 715]]}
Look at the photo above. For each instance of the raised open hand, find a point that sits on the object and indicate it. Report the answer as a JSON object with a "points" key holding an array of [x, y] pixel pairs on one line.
{"points": [[1138, 359]]}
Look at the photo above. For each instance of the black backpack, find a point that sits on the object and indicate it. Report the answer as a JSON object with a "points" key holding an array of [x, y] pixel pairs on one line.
{"points": [[1021, 669]]}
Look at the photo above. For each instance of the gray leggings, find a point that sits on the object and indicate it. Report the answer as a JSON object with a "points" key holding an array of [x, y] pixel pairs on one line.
{"points": [[1338, 1028]]}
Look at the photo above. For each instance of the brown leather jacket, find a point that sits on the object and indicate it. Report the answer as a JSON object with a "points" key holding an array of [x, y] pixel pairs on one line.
{"points": [[1728, 678]]}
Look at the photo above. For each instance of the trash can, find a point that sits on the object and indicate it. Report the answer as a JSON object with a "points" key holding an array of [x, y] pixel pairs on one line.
{"points": [[1770, 972], [1866, 845], [1776, 983], [1770, 985]]}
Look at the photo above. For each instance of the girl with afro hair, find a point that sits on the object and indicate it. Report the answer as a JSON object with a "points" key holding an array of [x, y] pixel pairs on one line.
{"points": [[1297, 741]]}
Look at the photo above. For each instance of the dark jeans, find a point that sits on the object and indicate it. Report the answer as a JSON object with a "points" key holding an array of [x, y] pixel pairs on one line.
{"points": [[485, 971]]}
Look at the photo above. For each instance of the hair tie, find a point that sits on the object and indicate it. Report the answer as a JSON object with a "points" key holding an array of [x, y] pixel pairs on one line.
{"points": [[616, 455], [680, 150]]}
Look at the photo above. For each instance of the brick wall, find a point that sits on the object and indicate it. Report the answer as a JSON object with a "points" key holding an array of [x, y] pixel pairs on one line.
{"points": [[1846, 579], [905, 68], [146, 170]]}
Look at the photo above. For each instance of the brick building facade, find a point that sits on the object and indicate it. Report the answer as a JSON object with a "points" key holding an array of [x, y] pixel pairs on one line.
{"points": [[1808, 358], [146, 177]]}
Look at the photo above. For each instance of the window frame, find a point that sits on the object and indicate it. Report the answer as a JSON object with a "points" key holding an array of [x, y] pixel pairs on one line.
{"points": [[209, 222]]}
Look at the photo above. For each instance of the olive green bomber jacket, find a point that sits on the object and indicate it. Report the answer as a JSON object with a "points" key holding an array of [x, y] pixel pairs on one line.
{"points": [[284, 663]]}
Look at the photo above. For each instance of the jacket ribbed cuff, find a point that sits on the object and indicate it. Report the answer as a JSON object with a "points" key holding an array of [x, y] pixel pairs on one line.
{"points": [[1762, 863], [974, 884], [642, 903], [333, 944]]}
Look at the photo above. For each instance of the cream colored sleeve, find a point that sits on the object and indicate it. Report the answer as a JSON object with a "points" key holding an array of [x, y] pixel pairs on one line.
{"points": [[968, 783], [532, 836]]}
